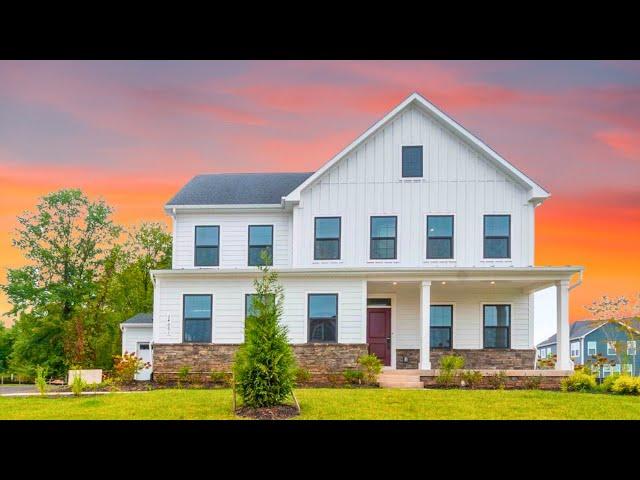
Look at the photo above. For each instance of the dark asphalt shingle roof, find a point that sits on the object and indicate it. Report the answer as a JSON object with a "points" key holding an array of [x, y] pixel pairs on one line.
{"points": [[238, 188], [580, 328], [140, 318]]}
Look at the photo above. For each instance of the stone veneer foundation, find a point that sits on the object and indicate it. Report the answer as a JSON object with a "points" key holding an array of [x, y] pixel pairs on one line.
{"points": [[322, 360], [489, 359]]}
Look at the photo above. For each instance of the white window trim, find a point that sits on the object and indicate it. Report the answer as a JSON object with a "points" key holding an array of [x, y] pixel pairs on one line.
{"points": [[454, 336], [197, 291], [259, 223], [368, 237], [193, 260], [609, 349], [577, 351], [438, 261], [635, 347], [313, 239], [511, 237], [481, 322], [306, 314], [424, 170], [595, 347]]}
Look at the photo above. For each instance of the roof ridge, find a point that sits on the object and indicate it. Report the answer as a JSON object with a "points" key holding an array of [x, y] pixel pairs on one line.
{"points": [[255, 173]]}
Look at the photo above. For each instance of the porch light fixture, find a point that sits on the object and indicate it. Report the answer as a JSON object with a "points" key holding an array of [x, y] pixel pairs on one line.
{"points": [[395, 283], [492, 282]]}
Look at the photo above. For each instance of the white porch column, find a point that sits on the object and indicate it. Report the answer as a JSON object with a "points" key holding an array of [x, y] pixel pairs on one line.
{"points": [[563, 361], [425, 325]]}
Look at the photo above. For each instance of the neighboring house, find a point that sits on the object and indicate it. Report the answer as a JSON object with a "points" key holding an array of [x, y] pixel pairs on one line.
{"points": [[137, 337], [415, 241], [597, 337]]}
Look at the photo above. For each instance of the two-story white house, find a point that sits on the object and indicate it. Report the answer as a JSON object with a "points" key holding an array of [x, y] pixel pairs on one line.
{"points": [[415, 240]]}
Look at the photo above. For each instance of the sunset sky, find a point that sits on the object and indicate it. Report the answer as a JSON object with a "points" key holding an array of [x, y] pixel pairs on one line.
{"points": [[135, 132]]}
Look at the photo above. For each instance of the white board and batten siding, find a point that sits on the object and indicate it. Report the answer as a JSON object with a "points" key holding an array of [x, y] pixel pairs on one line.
{"points": [[457, 179], [132, 335], [229, 305], [234, 240]]}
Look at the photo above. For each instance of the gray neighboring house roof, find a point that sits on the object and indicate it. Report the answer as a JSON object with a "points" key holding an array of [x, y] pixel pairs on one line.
{"points": [[238, 188], [580, 328], [139, 318]]}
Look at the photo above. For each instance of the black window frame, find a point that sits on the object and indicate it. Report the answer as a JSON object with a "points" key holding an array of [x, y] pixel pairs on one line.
{"points": [[451, 238], [402, 169], [261, 246], [316, 239], [495, 237], [184, 317], [484, 326], [450, 328], [246, 297], [309, 318], [372, 239], [196, 246]]}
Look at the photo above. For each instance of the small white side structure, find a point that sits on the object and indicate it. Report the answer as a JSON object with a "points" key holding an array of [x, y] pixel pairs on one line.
{"points": [[137, 335]]}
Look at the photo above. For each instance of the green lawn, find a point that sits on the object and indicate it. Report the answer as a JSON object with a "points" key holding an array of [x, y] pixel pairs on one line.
{"points": [[334, 404]]}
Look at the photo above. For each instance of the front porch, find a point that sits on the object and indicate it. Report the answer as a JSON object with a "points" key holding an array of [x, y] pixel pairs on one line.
{"points": [[486, 317]]}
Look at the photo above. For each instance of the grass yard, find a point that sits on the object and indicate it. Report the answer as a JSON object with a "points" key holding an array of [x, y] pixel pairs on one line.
{"points": [[325, 404]]}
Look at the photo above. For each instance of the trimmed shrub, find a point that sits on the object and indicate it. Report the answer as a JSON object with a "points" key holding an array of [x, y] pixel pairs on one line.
{"points": [[607, 384], [354, 377], [498, 380], [371, 366], [579, 382], [532, 383], [471, 378], [626, 385], [449, 366], [126, 366], [302, 375], [183, 375]]}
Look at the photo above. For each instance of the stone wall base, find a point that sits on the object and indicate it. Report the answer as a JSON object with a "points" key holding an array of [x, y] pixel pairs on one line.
{"points": [[498, 359], [325, 362], [510, 380]]}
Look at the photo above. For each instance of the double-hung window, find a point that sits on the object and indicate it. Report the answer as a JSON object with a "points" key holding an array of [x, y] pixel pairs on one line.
{"points": [[575, 349], [327, 238], [252, 304], [611, 348], [383, 244], [441, 317], [439, 236], [260, 240], [322, 313], [207, 246], [497, 236], [497, 326], [631, 347], [412, 166], [196, 326], [592, 348]]}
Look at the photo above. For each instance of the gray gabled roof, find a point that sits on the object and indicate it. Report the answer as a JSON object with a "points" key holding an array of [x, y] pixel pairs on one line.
{"points": [[140, 318], [238, 188], [581, 327]]}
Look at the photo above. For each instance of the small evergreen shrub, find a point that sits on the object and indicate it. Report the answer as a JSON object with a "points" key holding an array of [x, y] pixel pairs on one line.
{"points": [[302, 376], [579, 382], [334, 379], [607, 383], [471, 378], [370, 367], [218, 377], [264, 365], [449, 366], [183, 375], [626, 385], [41, 379], [353, 376], [498, 380]]}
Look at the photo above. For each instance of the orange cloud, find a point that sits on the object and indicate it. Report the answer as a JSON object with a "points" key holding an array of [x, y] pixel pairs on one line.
{"points": [[626, 143]]}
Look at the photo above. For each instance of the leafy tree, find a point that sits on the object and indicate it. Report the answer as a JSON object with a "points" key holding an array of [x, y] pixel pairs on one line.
{"points": [[66, 242], [6, 346], [264, 365]]}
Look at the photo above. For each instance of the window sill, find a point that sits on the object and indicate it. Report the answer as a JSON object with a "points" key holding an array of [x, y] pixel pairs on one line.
{"points": [[439, 260], [411, 180], [383, 261], [497, 260], [327, 262]]}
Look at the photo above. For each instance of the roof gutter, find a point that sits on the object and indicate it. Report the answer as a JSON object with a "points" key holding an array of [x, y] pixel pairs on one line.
{"points": [[578, 283]]}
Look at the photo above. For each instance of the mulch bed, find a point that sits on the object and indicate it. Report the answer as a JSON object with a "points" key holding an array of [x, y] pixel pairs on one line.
{"points": [[279, 412]]}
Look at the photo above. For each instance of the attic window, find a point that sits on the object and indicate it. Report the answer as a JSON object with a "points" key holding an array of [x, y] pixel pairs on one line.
{"points": [[412, 161]]}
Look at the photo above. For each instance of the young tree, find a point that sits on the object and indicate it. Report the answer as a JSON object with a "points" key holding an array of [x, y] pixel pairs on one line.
{"points": [[6, 346], [264, 365], [66, 242]]}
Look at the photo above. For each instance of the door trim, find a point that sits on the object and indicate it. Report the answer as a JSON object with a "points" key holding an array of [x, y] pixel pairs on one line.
{"points": [[391, 296]]}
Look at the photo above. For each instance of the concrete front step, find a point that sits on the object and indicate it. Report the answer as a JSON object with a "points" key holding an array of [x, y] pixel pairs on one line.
{"points": [[401, 384], [400, 379]]}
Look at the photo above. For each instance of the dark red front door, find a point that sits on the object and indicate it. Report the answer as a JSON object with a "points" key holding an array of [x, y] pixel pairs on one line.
{"points": [[379, 333]]}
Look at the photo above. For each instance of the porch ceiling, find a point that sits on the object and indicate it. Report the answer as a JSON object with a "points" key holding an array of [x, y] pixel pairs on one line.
{"points": [[393, 286]]}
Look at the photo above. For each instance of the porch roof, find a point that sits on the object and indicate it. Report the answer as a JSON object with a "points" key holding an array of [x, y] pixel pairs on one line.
{"points": [[535, 277]]}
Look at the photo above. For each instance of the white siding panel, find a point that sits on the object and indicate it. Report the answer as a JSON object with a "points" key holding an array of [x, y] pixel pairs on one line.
{"points": [[228, 307], [131, 336], [233, 237], [457, 180]]}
